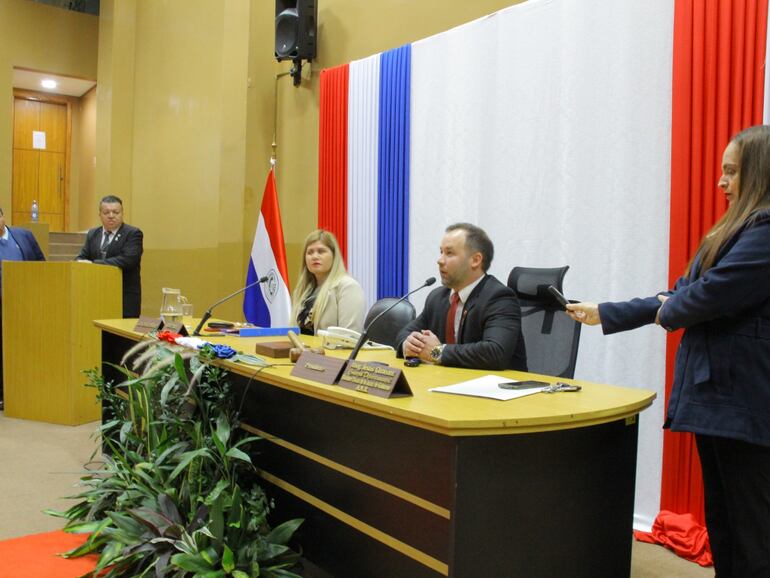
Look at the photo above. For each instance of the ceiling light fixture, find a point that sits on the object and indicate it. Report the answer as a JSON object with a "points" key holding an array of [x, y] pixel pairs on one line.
{"points": [[49, 83]]}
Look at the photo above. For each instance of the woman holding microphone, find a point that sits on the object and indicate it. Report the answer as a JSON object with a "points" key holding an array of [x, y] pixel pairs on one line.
{"points": [[721, 389]]}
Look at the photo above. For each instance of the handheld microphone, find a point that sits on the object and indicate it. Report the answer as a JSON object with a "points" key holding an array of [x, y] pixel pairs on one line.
{"points": [[207, 315], [361, 340]]}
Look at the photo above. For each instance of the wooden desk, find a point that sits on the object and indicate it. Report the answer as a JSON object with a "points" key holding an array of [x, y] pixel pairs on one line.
{"points": [[442, 485]]}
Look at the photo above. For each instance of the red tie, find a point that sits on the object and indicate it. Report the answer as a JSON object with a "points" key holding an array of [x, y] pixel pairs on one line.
{"points": [[450, 318]]}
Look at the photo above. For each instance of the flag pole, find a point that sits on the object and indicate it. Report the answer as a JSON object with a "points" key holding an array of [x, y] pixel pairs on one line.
{"points": [[274, 156]]}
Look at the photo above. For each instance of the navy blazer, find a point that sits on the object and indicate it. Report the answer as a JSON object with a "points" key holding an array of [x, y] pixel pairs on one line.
{"points": [[28, 244], [490, 329], [30, 250], [124, 251], [722, 371]]}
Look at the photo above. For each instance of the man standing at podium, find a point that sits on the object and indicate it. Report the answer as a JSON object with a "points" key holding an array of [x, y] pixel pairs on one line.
{"points": [[473, 321], [119, 245], [15, 245]]}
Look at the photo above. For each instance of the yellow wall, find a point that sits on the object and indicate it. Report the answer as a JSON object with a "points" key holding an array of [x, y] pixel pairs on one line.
{"points": [[185, 114], [185, 122], [348, 30], [43, 38], [171, 137], [83, 204]]}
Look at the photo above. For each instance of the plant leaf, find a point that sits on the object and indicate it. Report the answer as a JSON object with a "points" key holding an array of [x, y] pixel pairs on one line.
{"points": [[214, 494], [228, 560], [217, 524], [238, 455], [223, 428], [185, 460], [248, 440], [283, 533], [181, 371], [168, 509], [191, 563]]}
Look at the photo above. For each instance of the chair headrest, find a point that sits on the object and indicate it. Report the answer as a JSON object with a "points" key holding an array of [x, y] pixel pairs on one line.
{"points": [[531, 284]]}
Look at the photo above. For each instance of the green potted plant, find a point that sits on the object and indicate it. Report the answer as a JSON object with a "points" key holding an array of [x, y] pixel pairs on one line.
{"points": [[176, 493]]}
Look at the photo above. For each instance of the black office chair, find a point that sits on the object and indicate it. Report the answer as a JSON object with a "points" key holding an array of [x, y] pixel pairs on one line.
{"points": [[387, 327], [550, 335]]}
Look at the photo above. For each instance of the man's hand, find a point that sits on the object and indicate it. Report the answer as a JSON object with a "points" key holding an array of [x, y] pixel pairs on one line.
{"points": [[419, 344], [413, 344], [429, 341]]}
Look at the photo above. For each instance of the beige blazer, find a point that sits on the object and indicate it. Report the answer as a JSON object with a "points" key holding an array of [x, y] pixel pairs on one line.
{"points": [[344, 308]]}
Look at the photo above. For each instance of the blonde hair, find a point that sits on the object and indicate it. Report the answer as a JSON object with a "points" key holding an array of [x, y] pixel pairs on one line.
{"points": [[753, 146], [306, 282]]}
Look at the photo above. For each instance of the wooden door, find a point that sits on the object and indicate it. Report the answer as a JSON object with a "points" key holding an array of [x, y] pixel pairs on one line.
{"points": [[40, 168]]}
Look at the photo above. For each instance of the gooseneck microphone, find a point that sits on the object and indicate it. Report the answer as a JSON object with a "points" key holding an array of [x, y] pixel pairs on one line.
{"points": [[361, 340], [207, 315]]}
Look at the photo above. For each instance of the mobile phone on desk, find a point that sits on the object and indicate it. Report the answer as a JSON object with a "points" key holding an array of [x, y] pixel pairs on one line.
{"points": [[560, 299], [519, 385]]}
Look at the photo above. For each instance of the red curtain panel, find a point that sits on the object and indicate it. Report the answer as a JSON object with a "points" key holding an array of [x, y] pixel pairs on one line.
{"points": [[718, 89], [333, 154]]}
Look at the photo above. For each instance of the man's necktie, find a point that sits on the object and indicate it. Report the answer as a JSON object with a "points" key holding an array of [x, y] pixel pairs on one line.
{"points": [[105, 243], [450, 318]]}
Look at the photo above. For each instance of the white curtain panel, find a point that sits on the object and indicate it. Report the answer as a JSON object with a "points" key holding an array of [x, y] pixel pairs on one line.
{"points": [[548, 124], [363, 148]]}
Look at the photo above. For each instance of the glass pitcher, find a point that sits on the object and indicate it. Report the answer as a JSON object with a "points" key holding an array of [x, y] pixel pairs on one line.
{"points": [[171, 306]]}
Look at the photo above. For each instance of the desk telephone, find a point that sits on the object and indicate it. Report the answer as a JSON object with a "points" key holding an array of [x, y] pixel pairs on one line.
{"points": [[343, 338]]}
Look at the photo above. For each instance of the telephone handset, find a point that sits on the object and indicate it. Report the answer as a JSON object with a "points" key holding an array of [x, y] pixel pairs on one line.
{"points": [[344, 338]]}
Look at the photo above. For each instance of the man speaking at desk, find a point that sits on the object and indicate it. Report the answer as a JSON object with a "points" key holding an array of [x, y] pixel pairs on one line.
{"points": [[474, 320], [119, 245]]}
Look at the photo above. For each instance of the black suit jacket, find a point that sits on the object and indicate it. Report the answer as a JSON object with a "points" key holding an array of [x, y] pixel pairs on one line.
{"points": [[490, 328], [125, 252]]}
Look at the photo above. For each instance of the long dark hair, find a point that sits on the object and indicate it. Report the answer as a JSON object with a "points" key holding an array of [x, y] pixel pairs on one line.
{"points": [[753, 194]]}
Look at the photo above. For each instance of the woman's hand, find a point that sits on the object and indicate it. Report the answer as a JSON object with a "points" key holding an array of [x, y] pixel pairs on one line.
{"points": [[586, 312], [662, 299]]}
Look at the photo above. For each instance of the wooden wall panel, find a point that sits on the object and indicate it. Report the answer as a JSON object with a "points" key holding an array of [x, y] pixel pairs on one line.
{"points": [[51, 182], [53, 121], [26, 118], [26, 165]]}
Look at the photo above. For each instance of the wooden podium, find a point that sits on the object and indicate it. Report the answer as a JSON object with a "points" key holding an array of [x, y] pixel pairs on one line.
{"points": [[49, 337]]}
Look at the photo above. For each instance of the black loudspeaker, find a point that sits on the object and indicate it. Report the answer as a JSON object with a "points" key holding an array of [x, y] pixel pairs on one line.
{"points": [[295, 29]]}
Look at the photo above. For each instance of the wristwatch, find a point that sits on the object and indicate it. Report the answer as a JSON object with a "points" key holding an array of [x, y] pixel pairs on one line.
{"points": [[435, 353]]}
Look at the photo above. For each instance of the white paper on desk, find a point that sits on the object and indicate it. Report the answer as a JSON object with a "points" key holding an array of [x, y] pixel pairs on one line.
{"points": [[487, 386]]}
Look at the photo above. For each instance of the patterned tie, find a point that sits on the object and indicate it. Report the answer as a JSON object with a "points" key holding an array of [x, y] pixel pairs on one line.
{"points": [[105, 242], [450, 318]]}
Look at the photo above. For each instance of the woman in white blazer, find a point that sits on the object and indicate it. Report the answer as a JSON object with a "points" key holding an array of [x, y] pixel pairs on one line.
{"points": [[325, 295]]}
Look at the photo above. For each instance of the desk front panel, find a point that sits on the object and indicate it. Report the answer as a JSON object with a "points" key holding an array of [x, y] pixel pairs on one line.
{"points": [[386, 498]]}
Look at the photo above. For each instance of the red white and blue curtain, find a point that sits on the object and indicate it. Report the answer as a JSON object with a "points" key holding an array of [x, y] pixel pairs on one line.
{"points": [[585, 133], [364, 185]]}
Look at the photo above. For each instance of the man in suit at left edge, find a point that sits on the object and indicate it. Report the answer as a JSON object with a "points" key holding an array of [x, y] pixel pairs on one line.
{"points": [[15, 245], [120, 245]]}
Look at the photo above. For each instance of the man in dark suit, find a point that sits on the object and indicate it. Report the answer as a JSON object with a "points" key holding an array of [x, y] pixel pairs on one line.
{"points": [[15, 245], [472, 321], [119, 245]]}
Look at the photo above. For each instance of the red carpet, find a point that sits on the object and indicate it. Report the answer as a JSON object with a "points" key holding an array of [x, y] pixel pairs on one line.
{"points": [[35, 556]]}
